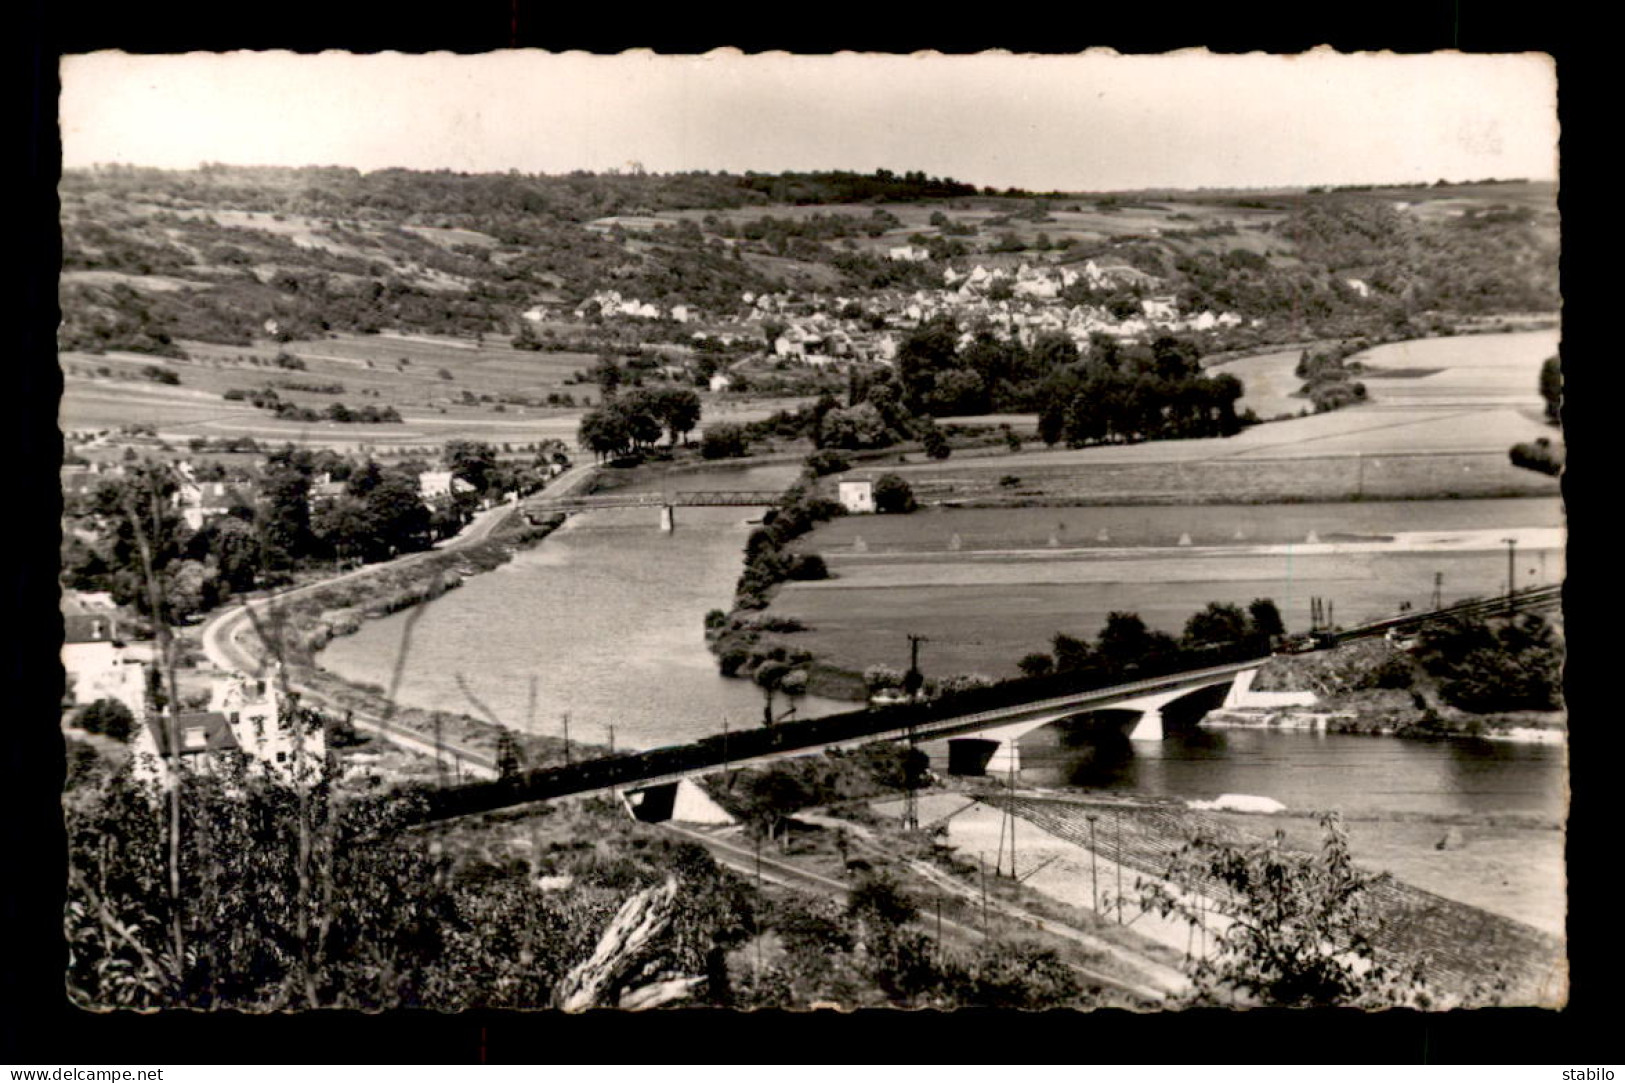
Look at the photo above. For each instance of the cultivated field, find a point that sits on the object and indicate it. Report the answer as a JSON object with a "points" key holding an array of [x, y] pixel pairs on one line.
{"points": [[986, 627], [106, 391]]}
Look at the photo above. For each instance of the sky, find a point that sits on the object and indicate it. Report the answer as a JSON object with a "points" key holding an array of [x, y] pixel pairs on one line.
{"points": [[1091, 122]]}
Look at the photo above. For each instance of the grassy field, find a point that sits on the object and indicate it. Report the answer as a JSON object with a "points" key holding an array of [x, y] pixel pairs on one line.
{"points": [[1034, 528], [987, 627], [105, 391]]}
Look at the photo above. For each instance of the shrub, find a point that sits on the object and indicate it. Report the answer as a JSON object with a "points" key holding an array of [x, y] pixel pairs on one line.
{"points": [[826, 462], [108, 717], [724, 442], [893, 495], [808, 566]]}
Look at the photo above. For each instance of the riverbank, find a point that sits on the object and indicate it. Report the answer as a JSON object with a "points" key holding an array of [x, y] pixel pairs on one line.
{"points": [[1477, 901]]}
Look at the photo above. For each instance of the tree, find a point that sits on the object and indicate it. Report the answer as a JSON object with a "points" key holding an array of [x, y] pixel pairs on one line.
{"points": [[108, 717], [855, 428], [1217, 623], [934, 443], [771, 799], [284, 518], [1124, 639], [1551, 388], [1036, 664], [133, 512], [473, 461], [1265, 618], [679, 410], [1296, 928], [604, 432], [1070, 652], [825, 462], [724, 441], [893, 495], [607, 375]]}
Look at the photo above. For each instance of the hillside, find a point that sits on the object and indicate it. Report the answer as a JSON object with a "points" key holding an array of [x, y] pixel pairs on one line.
{"points": [[230, 255]]}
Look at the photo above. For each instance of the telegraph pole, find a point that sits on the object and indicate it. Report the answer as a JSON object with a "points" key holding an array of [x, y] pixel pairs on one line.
{"points": [[1438, 591], [1094, 862], [915, 679], [1118, 858], [1512, 578], [982, 860], [567, 738]]}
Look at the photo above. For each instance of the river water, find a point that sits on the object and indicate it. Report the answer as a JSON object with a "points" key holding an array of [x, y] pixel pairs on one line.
{"points": [[1308, 771], [607, 617]]}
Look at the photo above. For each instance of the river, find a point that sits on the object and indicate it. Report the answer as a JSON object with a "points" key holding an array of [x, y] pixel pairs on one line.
{"points": [[1352, 774], [607, 616]]}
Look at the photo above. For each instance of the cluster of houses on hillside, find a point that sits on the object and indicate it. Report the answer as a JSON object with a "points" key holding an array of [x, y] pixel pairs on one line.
{"points": [[1024, 302], [249, 723]]}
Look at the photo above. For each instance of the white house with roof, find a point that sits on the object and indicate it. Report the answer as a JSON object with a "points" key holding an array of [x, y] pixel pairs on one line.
{"points": [[205, 744], [438, 483], [100, 664], [857, 497], [273, 735]]}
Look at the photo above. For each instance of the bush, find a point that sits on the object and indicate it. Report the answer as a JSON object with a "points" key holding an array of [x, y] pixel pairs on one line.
{"points": [[1539, 456], [893, 495], [108, 717], [826, 462], [808, 566], [724, 442]]}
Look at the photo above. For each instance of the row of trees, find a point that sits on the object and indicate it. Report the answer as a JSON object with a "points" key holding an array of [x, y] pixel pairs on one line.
{"points": [[1125, 640], [632, 421]]}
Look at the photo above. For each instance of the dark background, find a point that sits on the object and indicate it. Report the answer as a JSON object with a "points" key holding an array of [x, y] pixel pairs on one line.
{"points": [[37, 1026]]}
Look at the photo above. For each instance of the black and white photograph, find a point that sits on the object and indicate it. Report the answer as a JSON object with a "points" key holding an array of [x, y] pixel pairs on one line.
{"points": [[550, 531]]}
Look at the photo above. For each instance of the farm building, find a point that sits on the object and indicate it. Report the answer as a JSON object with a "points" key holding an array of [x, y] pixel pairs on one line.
{"points": [[857, 497]]}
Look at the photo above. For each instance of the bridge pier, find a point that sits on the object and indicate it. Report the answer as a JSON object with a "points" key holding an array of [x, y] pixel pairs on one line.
{"points": [[682, 800], [1149, 727], [668, 518], [1005, 759]]}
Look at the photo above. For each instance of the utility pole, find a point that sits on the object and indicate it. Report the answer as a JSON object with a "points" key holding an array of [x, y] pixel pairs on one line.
{"points": [[1094, 863], [1117, 856], [612, 738], [1512, 578], [567, 738], [915, 680], [981, 859], [911, 800], [1438, 591], [1012, 810]]}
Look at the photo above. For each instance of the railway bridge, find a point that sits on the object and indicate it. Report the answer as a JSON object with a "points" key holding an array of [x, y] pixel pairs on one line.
{"points": [[667, 503]]}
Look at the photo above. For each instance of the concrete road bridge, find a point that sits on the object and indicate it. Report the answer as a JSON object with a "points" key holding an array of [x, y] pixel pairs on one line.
{"points": [[981, 727], [979, 741]]}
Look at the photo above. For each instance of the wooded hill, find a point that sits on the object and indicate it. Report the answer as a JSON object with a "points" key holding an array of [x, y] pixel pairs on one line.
{"points": [[155, 257]]}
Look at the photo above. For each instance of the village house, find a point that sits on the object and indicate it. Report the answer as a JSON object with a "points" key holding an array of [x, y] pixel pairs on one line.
{"points": [[269, 729], [857, 497], [440, 483], [99, 663], [205, 745], [197, 500]]}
